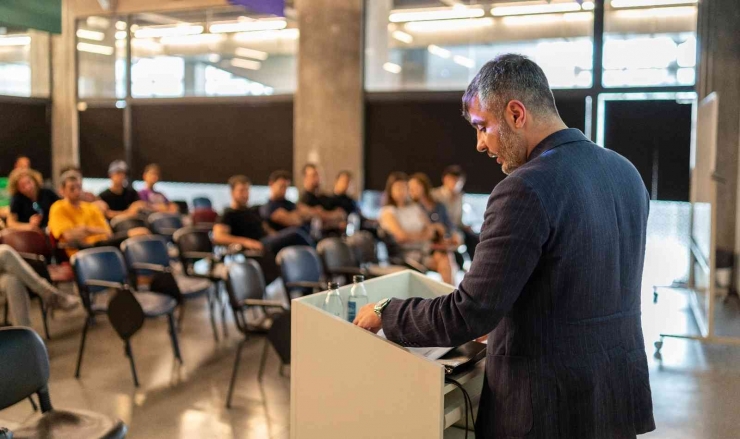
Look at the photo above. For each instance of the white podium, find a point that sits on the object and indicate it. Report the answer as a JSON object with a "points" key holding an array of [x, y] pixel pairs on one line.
{"points": [[349, 383]]}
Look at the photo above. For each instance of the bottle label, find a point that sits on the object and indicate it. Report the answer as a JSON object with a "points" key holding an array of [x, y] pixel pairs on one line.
{"points": [[351, 311]]}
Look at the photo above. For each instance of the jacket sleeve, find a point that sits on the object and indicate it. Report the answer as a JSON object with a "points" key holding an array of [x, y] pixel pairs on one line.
{"points": [[514, 232]]}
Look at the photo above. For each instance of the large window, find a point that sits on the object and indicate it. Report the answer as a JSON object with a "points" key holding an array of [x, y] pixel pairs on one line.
{"points": [[649, 43], [101, 57], [441, 45], [24, 62]]}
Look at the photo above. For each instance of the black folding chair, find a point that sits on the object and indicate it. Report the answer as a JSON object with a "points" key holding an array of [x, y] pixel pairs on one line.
{"points": [[24, 370], [301, 269], [339, 262]]}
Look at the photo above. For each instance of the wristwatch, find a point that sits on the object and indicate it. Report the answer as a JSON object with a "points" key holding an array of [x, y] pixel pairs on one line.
{"points": [[380, 306]]}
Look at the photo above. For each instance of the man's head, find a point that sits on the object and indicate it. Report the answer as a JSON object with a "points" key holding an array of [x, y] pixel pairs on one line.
{"points": [[151, 175], [510, 105], [311, 178], [420, 187], [24, 181], [22, 162], [453, 178], [342, 183], [279, 182], [117, 172], [240, 185], [71, 186]]}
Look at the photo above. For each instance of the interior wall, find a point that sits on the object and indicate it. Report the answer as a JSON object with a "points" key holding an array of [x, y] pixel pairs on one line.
{"points": [[101, 140], [25, 130]]}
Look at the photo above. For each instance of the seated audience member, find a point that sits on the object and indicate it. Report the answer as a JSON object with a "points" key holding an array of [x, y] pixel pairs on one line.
{"points": [[85, 196], [16, 276], [317, 203], [341, 198], [420, 190], [280, 213], [122, 200], [411, 228], [72, 221], [155, 200], [30, 203], [451, 195], [22, 162]]}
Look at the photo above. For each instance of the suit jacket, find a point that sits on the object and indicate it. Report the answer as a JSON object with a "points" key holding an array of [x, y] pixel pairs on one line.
{"points": [[556, 284]]}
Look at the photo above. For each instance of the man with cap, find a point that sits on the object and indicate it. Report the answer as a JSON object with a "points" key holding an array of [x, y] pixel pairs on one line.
{"points": [[122, 199]]}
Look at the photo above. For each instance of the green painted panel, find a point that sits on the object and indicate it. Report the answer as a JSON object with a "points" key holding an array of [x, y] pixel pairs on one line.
{"points": [[43, 15]]}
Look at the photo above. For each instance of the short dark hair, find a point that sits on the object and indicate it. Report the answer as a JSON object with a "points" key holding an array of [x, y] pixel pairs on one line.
{"points": [[308, 166], [236, 180], [393, 178], [152, 167], [453, 170], [68, 168], [67, 177], [346, 173], [279, 175], [510, 77]]}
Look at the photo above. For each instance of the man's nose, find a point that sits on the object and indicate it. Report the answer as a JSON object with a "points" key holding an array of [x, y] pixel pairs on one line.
{"points": [[481, 143]]}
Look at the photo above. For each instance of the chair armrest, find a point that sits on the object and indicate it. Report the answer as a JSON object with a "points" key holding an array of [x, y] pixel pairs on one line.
{"points": [[105, 283], [347, 270], [152, 267], [264, 303], [198, 255], [415, 265], [32, 256], [304, 284]]}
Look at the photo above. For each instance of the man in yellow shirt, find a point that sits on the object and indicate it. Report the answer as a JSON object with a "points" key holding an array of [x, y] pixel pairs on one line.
{"points": [[74, 221]]}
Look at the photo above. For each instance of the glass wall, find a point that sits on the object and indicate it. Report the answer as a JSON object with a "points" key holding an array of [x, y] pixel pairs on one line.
{"points": [[649, 43], [206, 52], [441, 45], [24, 62]]}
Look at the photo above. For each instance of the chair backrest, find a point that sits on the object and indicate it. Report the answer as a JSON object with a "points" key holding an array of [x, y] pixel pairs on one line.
{"points": [[182, 207], [164, 223], [24, 368], [191, 239], [299, 263], [201, 216], [202, 203], [126, 224], [147, 249], [245, 281], [363, 247], [27, 241], [279, 336], [100, 263], [335, 254]]}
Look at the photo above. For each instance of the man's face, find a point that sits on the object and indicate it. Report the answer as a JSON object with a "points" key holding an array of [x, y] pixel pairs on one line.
{"points": [[151, 178], [118, 178], [23, 163], [240, 194], [453, 184], [311, 179], [416, 190], [27, 186], [279, 188], [497, 139], [72, 190]]}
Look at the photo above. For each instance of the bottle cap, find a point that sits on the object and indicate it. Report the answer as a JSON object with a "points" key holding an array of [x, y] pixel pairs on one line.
{"points": [[358, 278], [333, 285]]}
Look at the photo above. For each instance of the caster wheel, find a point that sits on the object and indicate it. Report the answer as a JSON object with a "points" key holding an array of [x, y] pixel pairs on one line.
{"points": [[658, 347], [655, 297]]}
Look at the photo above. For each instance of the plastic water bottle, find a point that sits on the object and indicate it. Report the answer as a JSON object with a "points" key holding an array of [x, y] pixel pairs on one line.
{"points": [[357, 297], [353, 224], [333, 302], [317, 228]]}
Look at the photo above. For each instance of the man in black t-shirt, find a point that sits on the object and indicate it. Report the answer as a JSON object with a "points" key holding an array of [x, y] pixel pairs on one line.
{"points": [[243, 225], [280, 213], [341, 198], [30, 203], [317, 203], [122, 200]]}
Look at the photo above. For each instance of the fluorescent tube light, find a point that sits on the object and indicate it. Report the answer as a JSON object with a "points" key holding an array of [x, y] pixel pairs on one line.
{"points": [[549, 8], [192, 40], [15, 40], [392, 68], [246, 64], [168, 31], [90, 35], [440, 52], [648, 3], [245, 52], [121, 25], [121, 34], [641, 14], [267, 35], [95, 48], [463, 61], [248, 26], [402, 37], [588, 6], [448, 25], [400, 16]]}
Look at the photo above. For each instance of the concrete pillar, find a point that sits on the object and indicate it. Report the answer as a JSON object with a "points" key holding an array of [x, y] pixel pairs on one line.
{"points": [[719, 52], [329, 105], [376, 46], [64, 118], [38, 59]]}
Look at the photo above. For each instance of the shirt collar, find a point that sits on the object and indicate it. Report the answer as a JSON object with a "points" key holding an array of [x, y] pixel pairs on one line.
{"points": [[558, 138]]}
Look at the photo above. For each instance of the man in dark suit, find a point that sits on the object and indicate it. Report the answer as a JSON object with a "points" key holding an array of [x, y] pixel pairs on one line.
{"points": [[555, 281]]}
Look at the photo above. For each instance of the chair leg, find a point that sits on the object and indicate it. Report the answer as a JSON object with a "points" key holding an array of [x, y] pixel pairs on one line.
{"points": [[234, 373], [263, 360], [45, 317], [212, 311], [180, 316], [173, 336], [33, 404], [130, 355], [224, 323], [82, 347]]}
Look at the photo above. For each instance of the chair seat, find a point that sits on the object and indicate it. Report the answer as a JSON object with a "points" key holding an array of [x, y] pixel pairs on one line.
{"points": [[60, 273], [62, 424], [192, 287], [155, 305]]}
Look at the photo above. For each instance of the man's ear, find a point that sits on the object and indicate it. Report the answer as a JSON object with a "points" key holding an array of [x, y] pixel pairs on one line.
{"points": [[516, 114]]}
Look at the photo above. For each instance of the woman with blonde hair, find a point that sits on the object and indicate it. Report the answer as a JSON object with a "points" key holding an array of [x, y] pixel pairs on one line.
{"points": [[30, 203]]}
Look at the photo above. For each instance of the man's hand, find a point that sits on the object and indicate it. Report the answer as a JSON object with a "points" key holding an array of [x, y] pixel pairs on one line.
{"points": [[251, 244], [367, 319], [35, 220]]}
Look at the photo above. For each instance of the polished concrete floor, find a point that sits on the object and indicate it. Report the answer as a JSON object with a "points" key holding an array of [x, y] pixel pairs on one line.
{"points": [[695, 386]]}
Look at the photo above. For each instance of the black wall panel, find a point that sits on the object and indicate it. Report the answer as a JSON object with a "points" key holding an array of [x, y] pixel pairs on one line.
{"points": [[426, 135], [25, 129], [209, 142], [656, 137], [101, 140]]}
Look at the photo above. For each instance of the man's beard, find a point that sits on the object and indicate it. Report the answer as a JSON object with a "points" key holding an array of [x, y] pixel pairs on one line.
{"points": [[512, 149]]}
